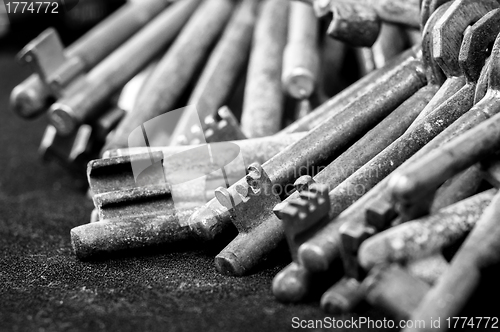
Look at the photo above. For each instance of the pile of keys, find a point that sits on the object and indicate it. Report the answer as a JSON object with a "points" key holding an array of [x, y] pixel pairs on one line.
{"points": [[367, 186]]}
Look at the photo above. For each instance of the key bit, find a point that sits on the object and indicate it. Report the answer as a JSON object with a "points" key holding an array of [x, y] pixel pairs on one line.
{"points": [[59, 66], [427, 269], [286, 166], [212, 130], [74, 151], [301, 216], [46, 56], [344, 166], [227, 129], [256, 195], [355, 24], [134, 186], [425, 236]]}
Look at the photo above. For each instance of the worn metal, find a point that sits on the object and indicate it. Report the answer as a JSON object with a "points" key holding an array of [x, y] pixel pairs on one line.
{"points": [[83, 98], [263, 99], [452, 158], [323, 248], [319, 147], [139, 211], [300, 216], [176, 68], [355, 157], [479, 251], [74, 151], [301, 55], [424, 236], [31, 98], [339, 102], [355, 24], [221, 72]]}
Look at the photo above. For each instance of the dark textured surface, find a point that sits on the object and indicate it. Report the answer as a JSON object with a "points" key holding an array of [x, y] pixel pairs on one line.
{"points": [[43, 287]]}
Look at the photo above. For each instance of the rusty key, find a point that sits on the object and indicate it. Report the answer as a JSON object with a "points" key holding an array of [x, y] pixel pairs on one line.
{"points": [[31, 98], [286, 167], [300, 216], [339, 170], [137, 211]]}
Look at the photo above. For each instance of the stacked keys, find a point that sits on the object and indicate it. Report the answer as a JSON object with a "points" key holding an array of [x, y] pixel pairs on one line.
{"points": [[364, 134]]}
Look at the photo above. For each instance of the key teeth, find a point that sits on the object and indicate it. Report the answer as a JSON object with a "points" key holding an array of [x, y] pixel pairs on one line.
{"points": [[303, 183], [311, 206], [255, 178], [225, 129], [289, 213]]}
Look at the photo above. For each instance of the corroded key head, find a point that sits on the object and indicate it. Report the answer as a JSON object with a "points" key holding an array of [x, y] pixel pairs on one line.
{"points": [[355, 24], [476, 44], [448, 32]]}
